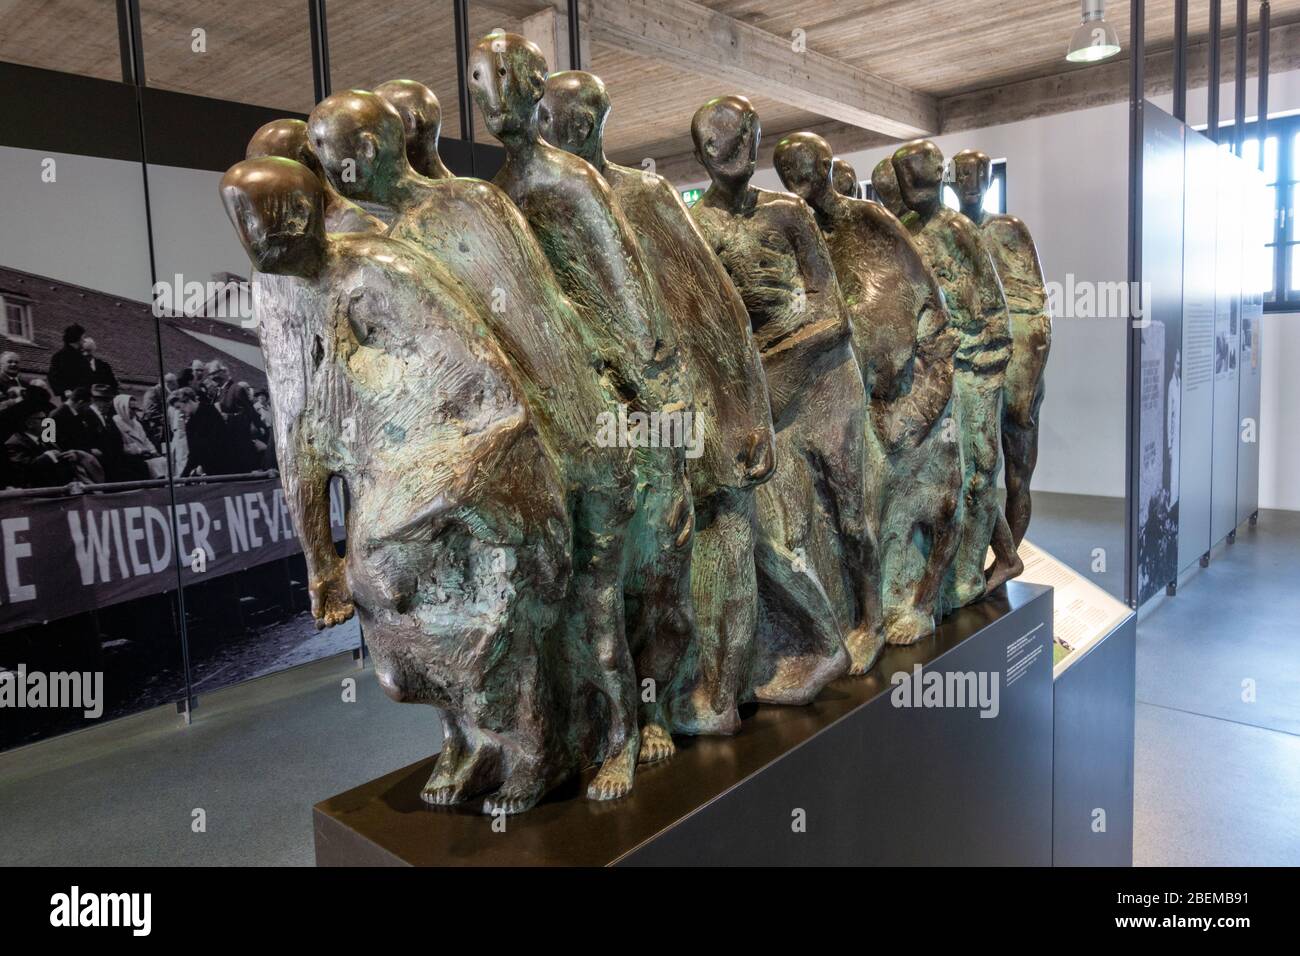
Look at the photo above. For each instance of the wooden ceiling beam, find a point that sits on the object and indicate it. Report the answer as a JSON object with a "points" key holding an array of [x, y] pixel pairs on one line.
{"points": [[693, 37]]}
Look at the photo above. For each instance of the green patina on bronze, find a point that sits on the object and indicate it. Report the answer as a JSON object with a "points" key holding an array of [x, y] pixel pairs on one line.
{"points": [[810, 552], [595, 255], [952, 247], [731, 404], [904, 345], [421, 115], [459, 556], [1021, 272], [483, 240]]}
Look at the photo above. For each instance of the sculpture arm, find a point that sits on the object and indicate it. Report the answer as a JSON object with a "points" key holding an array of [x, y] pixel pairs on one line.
{"points": [[818, 328], [306, 483]]}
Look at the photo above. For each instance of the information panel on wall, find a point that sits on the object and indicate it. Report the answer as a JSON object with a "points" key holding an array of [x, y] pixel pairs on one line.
{"points": [[1195, 449]]}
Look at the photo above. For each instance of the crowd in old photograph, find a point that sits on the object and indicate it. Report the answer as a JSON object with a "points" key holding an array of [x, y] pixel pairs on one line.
{"points": [[78, 424]]}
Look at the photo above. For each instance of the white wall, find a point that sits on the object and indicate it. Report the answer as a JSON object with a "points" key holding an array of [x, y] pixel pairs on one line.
{"points": [[1067, 177]]}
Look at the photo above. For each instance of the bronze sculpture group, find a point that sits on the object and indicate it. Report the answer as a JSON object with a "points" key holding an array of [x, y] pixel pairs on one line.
{"points": [[617, 466]]}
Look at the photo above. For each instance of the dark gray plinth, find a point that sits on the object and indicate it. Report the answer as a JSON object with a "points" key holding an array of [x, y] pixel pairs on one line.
{"points": [[1095, 707], [876, 783]]}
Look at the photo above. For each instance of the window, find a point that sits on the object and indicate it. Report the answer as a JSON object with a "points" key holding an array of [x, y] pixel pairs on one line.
{"points": [[1277, 266], [18, 318]]}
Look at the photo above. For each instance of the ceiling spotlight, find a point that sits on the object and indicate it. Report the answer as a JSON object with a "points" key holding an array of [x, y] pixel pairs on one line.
{"points": [[1093, 39]]}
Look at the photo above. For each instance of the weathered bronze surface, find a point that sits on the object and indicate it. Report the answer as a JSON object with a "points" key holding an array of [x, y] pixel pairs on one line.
{"points": [[287, 138], [953, 248], [458, 541], [844, 178], [1021, 272], [421, 115], [617, 467], [904, 344], [600, 265], [731, 404], [813, 582], [479, 235], [885, 184]]}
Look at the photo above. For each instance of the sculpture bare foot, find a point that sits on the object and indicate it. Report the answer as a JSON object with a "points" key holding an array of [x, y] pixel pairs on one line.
{"points": [[520, 792], [456, 777], [907, 625], [614, 779], [1002, 572], [864, 645], [656, 744], [969, 591], [694, 715]]}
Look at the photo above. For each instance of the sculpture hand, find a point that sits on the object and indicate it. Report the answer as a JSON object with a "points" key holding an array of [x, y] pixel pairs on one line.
{"points": [[331, 601]]}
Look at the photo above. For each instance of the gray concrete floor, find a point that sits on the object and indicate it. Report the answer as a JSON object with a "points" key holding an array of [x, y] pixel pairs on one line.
{"points": [[1217, 778]]}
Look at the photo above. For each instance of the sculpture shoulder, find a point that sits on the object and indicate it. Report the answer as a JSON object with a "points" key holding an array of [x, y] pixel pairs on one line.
{"points": [[1009, 229]]}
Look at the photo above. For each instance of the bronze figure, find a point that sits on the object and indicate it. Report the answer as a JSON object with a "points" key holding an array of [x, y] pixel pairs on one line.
{"points": [[288, 138], [731, 404], [458, 541], [421, 115], [844, 178], [811, 516], [885, 184], [904, 345], [478, 235], [1021, 272], [953, 248], [600, 265]]}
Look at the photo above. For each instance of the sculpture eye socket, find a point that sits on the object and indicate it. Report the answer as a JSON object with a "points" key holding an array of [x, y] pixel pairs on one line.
{"points": [[476, 74]]}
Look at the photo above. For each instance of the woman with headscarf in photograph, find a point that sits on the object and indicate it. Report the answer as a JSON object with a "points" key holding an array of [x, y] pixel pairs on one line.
{"points": [[137, 449]]}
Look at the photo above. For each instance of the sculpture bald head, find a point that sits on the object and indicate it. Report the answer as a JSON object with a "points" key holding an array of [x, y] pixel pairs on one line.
{"points": [[277, 207], [726, 132], [507, 78], [803, 161], [844, 178], [421, 115], [919, 167], [286, 138], [885, 184], [972, 172], [360, 142], [573, 112]]}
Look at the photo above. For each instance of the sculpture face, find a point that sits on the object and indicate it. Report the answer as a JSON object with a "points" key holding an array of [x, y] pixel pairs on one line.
{"points": [[845, 179], [573, 112], [972, 173], [885, 184], [919, 167], [360, 142], [507, 78], [277, 207], [804, 161], [421, 115], [726, 133]]}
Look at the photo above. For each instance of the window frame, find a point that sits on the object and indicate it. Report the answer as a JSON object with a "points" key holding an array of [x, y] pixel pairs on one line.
{"points": [[1286, 236], [29, 325]]}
